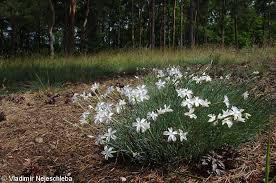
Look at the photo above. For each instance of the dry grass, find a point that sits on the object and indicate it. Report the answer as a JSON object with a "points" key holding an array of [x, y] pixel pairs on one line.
{"points": [[46, 71]]}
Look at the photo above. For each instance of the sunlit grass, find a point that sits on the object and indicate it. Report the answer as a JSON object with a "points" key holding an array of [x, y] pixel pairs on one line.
{"points": [[110, 63]]}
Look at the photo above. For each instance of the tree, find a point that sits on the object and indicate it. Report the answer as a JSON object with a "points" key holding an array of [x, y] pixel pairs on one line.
{"points": [[70, 21], [165, 18], [84, 26], [223, 10], [236, 24], [152, 23], [174, 19], [191, 24], [181, 22], [132, 24], [50, 28]]}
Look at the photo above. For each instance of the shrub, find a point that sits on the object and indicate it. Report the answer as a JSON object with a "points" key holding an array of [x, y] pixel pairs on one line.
{"points": [[174, 116]]}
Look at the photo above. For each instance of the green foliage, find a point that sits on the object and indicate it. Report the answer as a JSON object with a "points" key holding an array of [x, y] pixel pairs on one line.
{"points": [[110, 24], [203, 137]]}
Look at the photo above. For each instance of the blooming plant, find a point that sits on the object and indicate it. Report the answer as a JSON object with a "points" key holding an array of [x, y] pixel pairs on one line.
{"points": [[172, 115]]}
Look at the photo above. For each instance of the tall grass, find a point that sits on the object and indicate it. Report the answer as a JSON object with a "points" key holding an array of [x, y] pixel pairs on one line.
{"points": [[109, 63]]}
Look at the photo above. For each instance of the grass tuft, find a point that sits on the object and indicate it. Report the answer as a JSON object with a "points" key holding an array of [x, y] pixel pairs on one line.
{"points": [[203, 137]]}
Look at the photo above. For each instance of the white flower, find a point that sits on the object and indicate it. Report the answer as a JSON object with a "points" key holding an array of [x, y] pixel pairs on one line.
{"points": [[184, 92], [226, 101], [167, 108], [171, 134], [224, 114], [160, 84], [237, 113], [135, 154], [141, 125], [245, 95], [142, 93], [103, 106], [160, 111], [100, 139], [103, 116], [212, 118], [256, 72], [160, 74], [152, 115], [228, 76], [84, 117], [109, 91], [227, 121], [199, 79], [247, 115], [120, 106], [110, 134], [191, 113], [183, 135], [208, 78], [108, 152], [197, 101], [188, 103], [95, 86], [75, 97], [205, 103]]}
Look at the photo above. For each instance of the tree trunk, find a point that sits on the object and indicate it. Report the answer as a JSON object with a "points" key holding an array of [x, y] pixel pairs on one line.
{"points": [[161, 26], [164, 22], [1, 41], [169, 28], [181, 24], [84, 26], [263, 27], [236, 31], [222, 23], [196, 37], [152, 24], [236, 25], [71, 23], [191, 24], [205, 36], [50, 29], [132, 24], [14, 34], [174, 19], [140, 27], [119, 36]]}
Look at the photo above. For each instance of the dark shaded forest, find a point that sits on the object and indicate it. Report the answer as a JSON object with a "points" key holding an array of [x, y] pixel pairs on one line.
{"points": [[83, 26]]}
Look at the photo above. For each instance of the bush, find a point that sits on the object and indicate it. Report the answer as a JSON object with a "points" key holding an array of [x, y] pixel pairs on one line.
{"points": [[174, 116]]}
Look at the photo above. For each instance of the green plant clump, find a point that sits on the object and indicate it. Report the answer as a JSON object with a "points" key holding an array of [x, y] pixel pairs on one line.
{"points": [[175, 116]]}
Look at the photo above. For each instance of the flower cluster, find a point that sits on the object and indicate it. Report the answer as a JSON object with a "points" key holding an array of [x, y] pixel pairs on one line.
{"points": [[108, 108], [230, 115], [142, 125], [200, 79], [172, 134], [135, 95]]}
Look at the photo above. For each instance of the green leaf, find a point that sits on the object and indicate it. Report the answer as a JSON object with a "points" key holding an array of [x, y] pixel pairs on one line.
{"points": [[267, 161]]}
